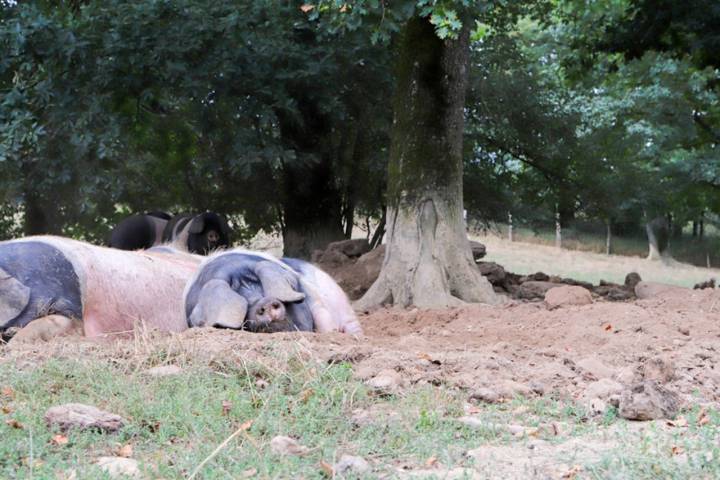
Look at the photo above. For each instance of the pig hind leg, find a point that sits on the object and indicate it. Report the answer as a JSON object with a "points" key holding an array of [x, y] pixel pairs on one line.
{"points": [[46, 328]]}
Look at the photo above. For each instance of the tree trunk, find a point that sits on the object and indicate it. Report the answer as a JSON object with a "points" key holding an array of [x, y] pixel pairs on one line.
{"points": [[510, 227], [558, 228], [379, 231], [695, 228], [312, 212], [658, 233], [428, 262]]}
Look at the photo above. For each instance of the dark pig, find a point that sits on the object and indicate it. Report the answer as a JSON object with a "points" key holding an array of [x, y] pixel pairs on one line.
{"points": [[199, 234], [138, 232]]}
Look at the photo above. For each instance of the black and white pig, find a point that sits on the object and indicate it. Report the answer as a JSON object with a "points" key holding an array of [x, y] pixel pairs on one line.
{"points": [[242, 289], [200, 233], [138, 232], [53, 283]]}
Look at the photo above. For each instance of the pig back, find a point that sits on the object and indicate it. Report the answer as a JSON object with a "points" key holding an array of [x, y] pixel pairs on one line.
{"points": [[121, 288]]}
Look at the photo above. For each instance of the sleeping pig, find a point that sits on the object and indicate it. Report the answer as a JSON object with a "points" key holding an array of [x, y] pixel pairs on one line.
{"points": [[255, 291], [199, 234], [53, 283]]}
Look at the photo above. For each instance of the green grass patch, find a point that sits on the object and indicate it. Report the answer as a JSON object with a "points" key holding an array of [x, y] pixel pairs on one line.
{"points": [[174, 423]]}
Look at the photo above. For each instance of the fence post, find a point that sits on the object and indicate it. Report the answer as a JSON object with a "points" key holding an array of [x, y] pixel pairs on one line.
{"points": [[510, 227], [558, 228]]}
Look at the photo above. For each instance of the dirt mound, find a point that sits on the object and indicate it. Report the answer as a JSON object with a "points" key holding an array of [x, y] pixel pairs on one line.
{"points": [[491, 352]]}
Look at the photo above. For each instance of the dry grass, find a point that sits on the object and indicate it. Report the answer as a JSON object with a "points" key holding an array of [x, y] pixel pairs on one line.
{"points": [[526, 258]]}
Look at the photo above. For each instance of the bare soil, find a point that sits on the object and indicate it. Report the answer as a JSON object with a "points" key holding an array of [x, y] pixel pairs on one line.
{"points": [[520, 348]]}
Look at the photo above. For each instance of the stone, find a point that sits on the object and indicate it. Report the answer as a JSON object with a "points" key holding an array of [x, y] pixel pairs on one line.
{"points": [[163, 371], [535, 277], [632, 279], [495, 273], [660, 369], [567, 295], [282, 445], [83, 417], [703, 285], [533, 289], [648, 400], [478, 250], [334, 258], [351, 465], [119, 467], [644, 290], [385, 382], [352, 248], [485, 395], [603, 389]]}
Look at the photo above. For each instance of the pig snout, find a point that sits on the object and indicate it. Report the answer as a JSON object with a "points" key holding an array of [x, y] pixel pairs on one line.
{"points": [[266, 311]]}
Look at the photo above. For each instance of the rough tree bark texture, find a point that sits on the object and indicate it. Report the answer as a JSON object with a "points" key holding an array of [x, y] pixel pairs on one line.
{"points": [[428, 262], [658, 233]]}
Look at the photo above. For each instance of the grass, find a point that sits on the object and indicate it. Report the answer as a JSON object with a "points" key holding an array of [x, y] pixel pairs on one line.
{"points": [[524, 258], [174, 423]]}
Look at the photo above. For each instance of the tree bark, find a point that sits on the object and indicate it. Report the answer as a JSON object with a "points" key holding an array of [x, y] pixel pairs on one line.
{"points": [[608, 237], [428, 262], [658, 233]]}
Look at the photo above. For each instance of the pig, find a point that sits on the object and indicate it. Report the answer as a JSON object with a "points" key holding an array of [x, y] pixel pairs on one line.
{"points": [[201, 234], [242, 289], [140, 231], [56, 283]]}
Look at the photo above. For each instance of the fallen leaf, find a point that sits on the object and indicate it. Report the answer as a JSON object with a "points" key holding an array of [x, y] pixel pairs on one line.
{"points": [[678, 422], [7, 392], [250, 472], [306, 8], [703, 418], [14, 424], [532, 431], [226, 406], [6, 409], [306, 394], [245, 426], [59, 440], [424, 356], [431, 462], [472, 409], [608, 327], [572, 473], [125, 451], [677, 450], [327, 469], [281, 445]]}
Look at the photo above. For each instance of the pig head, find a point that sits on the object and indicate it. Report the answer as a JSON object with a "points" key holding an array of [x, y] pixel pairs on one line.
{"points": [[199, 234]]}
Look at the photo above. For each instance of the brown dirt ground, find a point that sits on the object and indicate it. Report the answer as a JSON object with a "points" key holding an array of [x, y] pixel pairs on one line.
{"points": [[514, 349]]}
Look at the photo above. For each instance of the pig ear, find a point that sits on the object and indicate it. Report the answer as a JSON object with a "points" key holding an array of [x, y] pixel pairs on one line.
{"points": [[197, 224], [14, 297], [219, 306], [278, 282]]}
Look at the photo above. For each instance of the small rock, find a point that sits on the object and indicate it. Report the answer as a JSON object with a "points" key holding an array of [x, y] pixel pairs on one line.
{"points": [[118, 467], [644, 290], [537, 388], [350, 464], [684, 330], [595, 367], [485, 395], [495, 273], [627, 376], [648, 401], [509, 389], [77, 415], [707, 284], [632, 279], [535, 277], [567, 295], [361, 418], [163, 371], [478, 250], [532, 289], [473, 422], [281, 445], [603, 389], [596, 406], [660, 369], [385, 382]]}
